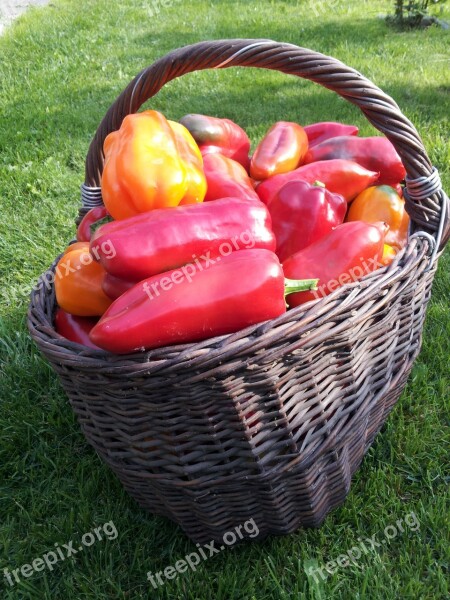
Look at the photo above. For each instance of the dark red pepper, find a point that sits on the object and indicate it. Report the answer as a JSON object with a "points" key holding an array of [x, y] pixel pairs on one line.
{"points": [[344, 177], [238, 290], [374, 153], [164, 239], [222, 136], [302, 214], [75, 329], [319, 132], [84, 231]]}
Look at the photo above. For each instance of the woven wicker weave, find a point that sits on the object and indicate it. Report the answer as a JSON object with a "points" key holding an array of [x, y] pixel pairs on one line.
{"points": [[271, 422]]}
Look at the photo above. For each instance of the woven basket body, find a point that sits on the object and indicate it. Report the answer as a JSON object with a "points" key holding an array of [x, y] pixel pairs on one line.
{"points": [[269, 423]]}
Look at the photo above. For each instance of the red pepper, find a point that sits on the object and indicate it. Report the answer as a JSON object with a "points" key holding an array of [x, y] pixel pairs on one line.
{"points": [[75, 329], [214, 135], [346, 254], [115, 286], [319, 132], [243, 289], [343, 177], [375, 153], [164, 239], [302, 214], [92, 216], [226, 178], [282, 149]]}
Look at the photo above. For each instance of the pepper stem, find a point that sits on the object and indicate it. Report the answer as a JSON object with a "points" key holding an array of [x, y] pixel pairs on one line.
{"points": [[299, 285]]}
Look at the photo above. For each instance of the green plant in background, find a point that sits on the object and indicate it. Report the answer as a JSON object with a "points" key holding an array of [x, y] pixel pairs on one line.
{"points": [[414, 13]]}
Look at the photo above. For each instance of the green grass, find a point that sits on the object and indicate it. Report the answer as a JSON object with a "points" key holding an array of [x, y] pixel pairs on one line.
{"points": [[60, 69]]}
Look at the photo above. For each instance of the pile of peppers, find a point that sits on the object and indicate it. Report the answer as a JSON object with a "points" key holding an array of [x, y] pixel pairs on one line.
{"points": [[200, 237]]}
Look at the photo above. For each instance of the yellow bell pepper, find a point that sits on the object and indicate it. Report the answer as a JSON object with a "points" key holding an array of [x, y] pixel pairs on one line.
{"points": [[78, 283], [148, 166], [382, 203]]}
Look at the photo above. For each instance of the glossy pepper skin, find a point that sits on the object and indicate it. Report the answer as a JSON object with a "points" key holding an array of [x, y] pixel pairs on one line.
{"points": [[374, 153], [319, 132], [162, 240], [282, 149], [388, 256], [302, 214], [243, 289], [78, 284], [92, 216], [115, 286], [75, 329], [227, 178], [218, 136], [344, 177], [144, 168], [346, 254], [192, 157], [382, 203]]}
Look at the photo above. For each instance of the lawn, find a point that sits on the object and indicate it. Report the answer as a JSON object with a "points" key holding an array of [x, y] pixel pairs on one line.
{"points": [[60, 69]]}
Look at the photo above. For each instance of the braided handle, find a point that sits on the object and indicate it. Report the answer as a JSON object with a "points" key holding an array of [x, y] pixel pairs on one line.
{"points": [[426, 202]]}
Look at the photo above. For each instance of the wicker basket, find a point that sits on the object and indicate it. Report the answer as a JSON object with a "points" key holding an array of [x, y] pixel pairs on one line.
{"points": [[271, 422]]}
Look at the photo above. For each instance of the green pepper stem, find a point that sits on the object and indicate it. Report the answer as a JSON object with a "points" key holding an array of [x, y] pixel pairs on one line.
{"points": [[299, 285]]}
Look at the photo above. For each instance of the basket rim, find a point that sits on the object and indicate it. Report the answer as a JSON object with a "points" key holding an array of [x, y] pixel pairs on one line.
{"points": [[220, 348]]}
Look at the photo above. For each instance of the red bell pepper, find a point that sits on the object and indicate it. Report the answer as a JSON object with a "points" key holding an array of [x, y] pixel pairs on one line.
{"points": [[302, 214], [75, 329], [244, 288], [226, 178], [115, 286], [164, 239], [281, 150], [344, 177], [346, 254], [222, 136], [319, 132], [374, 153], [84, 231]]}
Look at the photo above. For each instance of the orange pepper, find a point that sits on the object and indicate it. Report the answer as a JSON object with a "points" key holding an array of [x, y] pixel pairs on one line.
{"points": [[76, 246], [147, 166], [78, 283], [190, 153], [382, 203]]}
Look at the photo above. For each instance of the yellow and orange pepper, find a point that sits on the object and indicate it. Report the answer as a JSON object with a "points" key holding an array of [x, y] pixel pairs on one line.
{"points": [[382, 203], [150, 163]]}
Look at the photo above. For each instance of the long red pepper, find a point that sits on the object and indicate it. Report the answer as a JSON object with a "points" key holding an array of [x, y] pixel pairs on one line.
{"points": [[319, 132], [281, 150], [374, 153], [346, 254], [344, 177], [180, 306], [163, 239]]}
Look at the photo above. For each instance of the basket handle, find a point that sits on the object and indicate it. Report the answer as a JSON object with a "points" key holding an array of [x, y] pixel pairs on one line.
{"points": [[426, 201]]}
